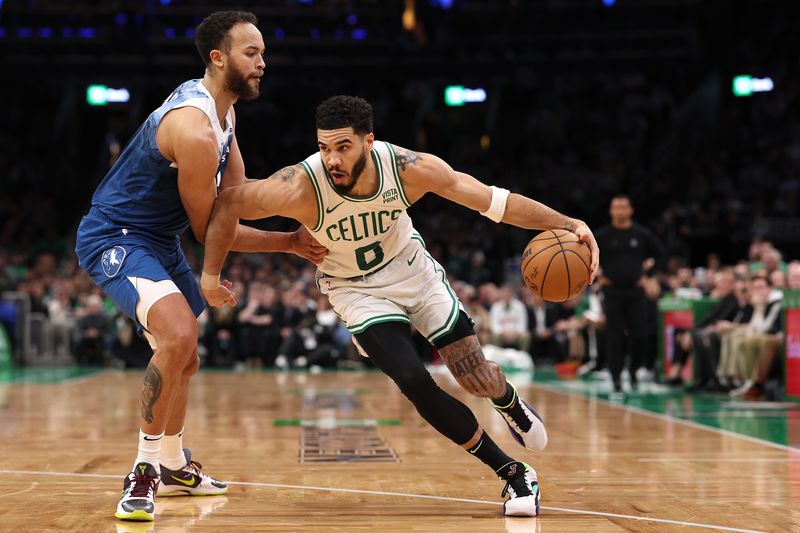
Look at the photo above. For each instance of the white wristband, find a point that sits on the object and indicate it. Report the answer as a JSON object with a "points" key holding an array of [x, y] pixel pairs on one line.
{"points": [[208, 281], [498, 207]]}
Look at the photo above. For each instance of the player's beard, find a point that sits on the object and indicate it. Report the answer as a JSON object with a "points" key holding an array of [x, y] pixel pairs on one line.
{"points": [[358, 169], [239, 84]]}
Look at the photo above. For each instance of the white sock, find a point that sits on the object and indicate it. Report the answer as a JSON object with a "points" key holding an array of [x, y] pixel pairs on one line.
{"points": [[149, 448], [172, 452]]}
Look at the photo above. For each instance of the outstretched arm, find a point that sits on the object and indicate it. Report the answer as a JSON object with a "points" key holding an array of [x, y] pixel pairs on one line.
{"points": [[423, 173], [284, 193]]}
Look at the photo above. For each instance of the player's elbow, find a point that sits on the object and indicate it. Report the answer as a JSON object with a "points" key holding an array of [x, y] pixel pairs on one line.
{"points": [[199, 236]]}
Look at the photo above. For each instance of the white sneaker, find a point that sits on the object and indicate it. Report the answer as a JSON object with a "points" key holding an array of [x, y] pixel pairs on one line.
{"points": [[138, 491], [524, 423], [739, 391], [189, 480], [644, 374], [522, 489], [282, 362]]}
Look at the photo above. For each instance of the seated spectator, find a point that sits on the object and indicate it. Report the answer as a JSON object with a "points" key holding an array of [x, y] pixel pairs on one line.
{"points": [[685, 340], [704, 341], [509, 321], [757, 390], [479, 315], [260, 322], [742, 345], [222, 331], [546, 344], [92, 332]]}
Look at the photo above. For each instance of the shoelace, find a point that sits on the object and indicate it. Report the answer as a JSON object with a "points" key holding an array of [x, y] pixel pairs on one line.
{"points": [[142, 485], [520, 486], [194, 465]]}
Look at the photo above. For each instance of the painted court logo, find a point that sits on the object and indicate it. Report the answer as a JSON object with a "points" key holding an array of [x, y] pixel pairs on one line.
{"points": [[112, 260]]}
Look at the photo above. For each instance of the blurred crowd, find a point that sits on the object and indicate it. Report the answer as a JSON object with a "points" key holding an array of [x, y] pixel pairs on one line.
{"points": [[282, 321]]}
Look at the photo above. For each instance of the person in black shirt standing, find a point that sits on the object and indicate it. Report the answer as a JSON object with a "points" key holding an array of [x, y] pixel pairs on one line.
{"points": [[629, 250]]}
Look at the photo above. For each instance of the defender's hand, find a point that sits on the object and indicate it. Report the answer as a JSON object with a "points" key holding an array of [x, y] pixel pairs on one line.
{"points": [[307, 247], [216, 293]]}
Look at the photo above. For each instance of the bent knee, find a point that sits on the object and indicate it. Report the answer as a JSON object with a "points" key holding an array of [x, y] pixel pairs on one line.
{"points": [[192, 366], [415, 384]]}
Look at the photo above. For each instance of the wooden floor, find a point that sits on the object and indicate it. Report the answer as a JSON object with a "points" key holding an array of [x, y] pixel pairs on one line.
{"points": [[64, 449]]}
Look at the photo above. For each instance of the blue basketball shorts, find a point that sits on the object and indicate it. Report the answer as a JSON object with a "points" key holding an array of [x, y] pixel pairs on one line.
{"points": [[112, 262]]}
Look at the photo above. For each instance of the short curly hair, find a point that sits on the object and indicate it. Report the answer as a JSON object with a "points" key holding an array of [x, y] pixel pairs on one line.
{"points": [[345, 111], [212, 33]]}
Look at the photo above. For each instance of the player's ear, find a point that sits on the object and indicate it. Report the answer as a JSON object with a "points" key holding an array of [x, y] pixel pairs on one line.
{"points": [[369, 140], [216, 58]]}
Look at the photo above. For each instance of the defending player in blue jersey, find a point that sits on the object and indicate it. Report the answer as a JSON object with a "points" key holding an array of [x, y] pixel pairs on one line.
{"points": [[166, 180]]}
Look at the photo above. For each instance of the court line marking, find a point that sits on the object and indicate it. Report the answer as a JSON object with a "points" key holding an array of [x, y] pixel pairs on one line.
{"points": [[23, 491], [668, 418], [783, 460], [411, 495]]}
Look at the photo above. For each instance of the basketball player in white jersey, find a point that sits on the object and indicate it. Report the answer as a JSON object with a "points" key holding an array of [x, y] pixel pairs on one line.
{"points": [[352, 195], [166, 180]]}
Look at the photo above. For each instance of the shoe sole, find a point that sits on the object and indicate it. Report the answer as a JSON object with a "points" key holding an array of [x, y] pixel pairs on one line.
{"points": [[183, 492], [525, 511], [136, 516]]}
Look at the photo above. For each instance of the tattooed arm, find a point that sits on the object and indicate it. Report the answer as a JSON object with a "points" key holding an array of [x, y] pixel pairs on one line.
{"points": [[250, 239], [287, 193], [422, 173]]}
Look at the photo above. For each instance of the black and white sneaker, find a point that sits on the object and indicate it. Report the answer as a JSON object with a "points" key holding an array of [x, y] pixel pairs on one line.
{"points": [[138, 491], [524, 423], [522, 488], [189, 480]]}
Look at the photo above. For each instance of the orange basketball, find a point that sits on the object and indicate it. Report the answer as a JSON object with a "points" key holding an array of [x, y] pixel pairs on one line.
{"points": [[555, 265]]}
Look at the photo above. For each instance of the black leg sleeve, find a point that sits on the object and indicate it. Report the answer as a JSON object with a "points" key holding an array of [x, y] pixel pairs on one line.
{"points": [[390, 347]]}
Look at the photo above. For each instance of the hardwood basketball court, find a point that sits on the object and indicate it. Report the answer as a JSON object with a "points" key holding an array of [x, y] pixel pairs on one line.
{"points": [[347, 452]]}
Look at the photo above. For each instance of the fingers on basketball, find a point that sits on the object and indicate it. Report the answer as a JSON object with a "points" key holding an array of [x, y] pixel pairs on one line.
{"points": [[556, 265]]}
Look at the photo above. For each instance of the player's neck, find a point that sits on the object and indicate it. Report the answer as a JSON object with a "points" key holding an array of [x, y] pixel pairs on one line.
{"points": [[368, 182], [223, 99]]}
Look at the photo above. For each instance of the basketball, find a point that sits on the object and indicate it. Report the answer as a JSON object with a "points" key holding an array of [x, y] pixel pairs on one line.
{"points": [[555, 265]]}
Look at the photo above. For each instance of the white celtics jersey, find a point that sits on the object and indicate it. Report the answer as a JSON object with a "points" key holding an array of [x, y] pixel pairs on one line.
{"points": [[361, 234]]}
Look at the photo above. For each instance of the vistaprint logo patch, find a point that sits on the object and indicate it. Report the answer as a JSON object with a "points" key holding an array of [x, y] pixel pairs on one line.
{"points": [[390, 195]]}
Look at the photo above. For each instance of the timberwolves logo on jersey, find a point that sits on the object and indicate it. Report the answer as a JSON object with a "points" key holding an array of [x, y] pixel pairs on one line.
{"points": [[112, 260], [223, 160]]}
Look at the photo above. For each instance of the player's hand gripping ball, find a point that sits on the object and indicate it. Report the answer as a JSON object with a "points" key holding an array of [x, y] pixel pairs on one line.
{"points": [[555, 265]]}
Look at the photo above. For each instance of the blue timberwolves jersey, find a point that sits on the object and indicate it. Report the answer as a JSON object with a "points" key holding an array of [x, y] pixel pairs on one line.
{"points": [[141, 189]]}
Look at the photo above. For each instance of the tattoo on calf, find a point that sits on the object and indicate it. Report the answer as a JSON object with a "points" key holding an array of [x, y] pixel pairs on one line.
{"points": [[150, 391], [465, 360], [406, 157]]}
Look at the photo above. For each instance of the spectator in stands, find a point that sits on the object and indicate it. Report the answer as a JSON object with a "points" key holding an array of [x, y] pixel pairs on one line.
{"points": [[221, 336], [509, 321], [793, 276], [699, 336], [92, 333], [546, 344], [260, 323], [742, 347], [479, 315]]}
